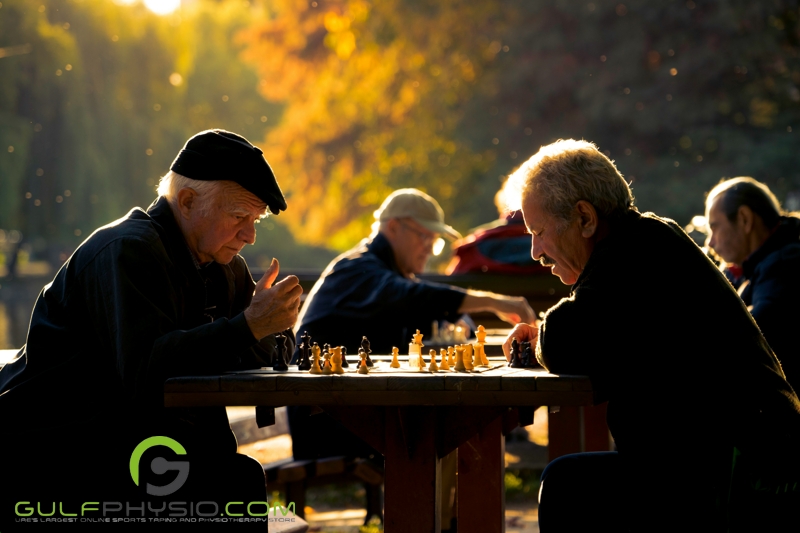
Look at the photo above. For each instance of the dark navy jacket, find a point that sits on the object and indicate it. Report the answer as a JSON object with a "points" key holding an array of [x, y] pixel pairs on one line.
{"points": [[362, 293], [128, 310], [773, 289]]}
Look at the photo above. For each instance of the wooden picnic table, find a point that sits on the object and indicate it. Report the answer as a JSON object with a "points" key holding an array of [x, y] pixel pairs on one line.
{"points": [[414, 418]]}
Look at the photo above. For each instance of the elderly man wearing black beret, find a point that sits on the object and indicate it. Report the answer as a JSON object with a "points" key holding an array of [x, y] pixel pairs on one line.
{"points": [[158, 293]]}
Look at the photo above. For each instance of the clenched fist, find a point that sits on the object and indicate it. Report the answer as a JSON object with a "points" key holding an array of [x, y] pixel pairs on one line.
{"points": [[274, 307]]}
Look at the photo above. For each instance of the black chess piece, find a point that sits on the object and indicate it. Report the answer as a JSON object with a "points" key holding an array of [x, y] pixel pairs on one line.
{"points": [[345, 363], [365, 347], [528, 357], [305, 353], [515, 361], [279, 363]]}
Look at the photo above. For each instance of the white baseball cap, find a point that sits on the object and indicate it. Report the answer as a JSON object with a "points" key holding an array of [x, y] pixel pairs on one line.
{"points": [[423, 208]]}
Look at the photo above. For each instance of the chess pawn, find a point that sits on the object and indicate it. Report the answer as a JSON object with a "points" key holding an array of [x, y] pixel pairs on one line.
{"points": [[345, 362], [363, 367], [460, 359], [315, 369], [433, 367], [468, 357], [445, 365], [451, 355], [336, 361], [326, 366], [480, 334], [395, 363]]}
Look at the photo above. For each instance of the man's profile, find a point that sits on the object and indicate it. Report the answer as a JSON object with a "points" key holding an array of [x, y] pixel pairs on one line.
{"points": [[158, 293]]}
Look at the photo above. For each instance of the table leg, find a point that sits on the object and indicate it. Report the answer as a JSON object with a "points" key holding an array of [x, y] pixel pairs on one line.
{"points": [[577, 429], [481, 487], [412, 472]]}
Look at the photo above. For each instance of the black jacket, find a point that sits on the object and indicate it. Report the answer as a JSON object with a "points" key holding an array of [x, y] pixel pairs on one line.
{"points": [[773, 289], [362, 293], [686, 371], [128, 310]]}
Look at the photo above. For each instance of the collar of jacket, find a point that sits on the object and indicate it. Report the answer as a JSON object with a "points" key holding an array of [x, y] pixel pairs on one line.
{"points": [[787, 232], [380, 247], [617, 229], [174, 241]]}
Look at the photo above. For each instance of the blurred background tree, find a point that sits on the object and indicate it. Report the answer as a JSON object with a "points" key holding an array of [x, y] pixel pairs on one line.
{"points": [[351, 99], [452, 95]]}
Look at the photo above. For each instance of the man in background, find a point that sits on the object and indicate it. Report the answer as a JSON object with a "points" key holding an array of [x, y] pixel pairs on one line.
{"points": [[747, 228]]}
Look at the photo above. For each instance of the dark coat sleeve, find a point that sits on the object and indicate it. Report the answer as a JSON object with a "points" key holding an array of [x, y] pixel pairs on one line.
{"points": [[131, 294]]}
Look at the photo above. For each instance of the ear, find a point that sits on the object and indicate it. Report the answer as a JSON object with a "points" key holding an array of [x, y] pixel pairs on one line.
{"points": [[392, 228], [587, 218], [186, 199], [745, 218]]}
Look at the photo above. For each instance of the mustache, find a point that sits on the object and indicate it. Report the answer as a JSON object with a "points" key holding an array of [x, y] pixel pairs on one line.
{"points": [[546, 261]]}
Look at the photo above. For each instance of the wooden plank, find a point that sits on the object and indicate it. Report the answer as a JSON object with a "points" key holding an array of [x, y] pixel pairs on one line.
{"points": [[304, 382], [395, 398], [471, 382], [415, 382], [360, 382], [481, 487], [196, 384], [554, 382], [412, 497], [248, 382]]}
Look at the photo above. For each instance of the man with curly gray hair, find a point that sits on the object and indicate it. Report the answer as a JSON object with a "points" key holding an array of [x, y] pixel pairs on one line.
{"points": [[633, 276]]}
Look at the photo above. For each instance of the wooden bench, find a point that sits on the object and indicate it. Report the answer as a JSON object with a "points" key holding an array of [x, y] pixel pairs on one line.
{"points": [[295, 477]]}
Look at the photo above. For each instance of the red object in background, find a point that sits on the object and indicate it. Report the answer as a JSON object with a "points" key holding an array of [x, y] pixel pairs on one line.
{"points": [[501, 247]]}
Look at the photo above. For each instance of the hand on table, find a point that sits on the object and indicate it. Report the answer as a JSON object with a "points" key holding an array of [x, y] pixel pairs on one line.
{"points": [[274, 307], [521, 332]]}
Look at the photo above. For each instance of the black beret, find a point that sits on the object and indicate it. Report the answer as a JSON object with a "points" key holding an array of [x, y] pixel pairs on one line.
{"points": [[221, 155]]}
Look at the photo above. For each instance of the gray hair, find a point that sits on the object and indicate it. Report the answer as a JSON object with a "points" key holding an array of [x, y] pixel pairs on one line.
{"points": [[736, 192], [171, 183], [565, 172]]}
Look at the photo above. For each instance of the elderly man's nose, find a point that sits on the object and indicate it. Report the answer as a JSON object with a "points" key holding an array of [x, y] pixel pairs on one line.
{"points": [[248, 233], [710, 241], [536, 249]]}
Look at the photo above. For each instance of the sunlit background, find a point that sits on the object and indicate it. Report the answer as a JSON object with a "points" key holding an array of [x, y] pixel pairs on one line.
{"points": [[351, 99]]}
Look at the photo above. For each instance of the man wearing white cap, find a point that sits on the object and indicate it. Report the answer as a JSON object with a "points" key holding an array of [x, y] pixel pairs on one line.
{"points": [[372, 291]]}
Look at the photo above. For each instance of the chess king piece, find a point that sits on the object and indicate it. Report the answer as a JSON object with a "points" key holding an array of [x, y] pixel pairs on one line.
{"points": [[345, 363], [363, 367], [326, 366], [451, 355], [365, 347], [468, 357], [433, 367], [444, 365], [336, 360], [415, 359], [460, 359], [280, 357], [395, 363], [305, 353], [315, 369]]}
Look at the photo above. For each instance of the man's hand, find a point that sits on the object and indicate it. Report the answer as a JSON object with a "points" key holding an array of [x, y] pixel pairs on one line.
{"points": [[514, 310], [521, 332], [274, 307]]}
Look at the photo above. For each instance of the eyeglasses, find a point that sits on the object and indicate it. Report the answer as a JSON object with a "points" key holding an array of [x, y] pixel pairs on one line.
{"points": [[426, 238]]}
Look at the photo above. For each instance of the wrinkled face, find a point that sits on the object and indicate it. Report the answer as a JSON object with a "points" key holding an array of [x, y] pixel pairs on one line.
{"points": [[727, 239], [565, 252], [220, 231], [414, 246]]}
